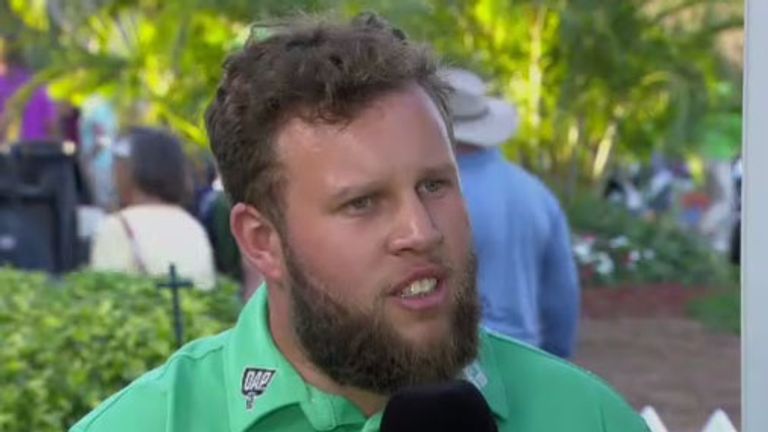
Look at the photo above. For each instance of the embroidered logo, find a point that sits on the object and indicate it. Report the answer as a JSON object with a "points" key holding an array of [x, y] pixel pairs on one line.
{"points": [[255, 382]]}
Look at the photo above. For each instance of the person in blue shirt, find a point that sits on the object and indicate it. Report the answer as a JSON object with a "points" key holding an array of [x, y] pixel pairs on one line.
{"points": [[527, 275], [98, 130]]}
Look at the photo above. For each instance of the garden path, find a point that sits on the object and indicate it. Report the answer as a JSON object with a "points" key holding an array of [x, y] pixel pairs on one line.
{"points": [[656, 356]]}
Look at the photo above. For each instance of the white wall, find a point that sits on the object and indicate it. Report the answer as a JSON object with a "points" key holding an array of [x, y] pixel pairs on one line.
{"points": [[755, 222]]}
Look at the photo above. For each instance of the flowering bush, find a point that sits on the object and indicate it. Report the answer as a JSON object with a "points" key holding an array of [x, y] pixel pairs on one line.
{"points": [[606, 261], [613, 247]]}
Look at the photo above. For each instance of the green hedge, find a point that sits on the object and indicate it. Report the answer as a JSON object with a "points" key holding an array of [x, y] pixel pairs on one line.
{"points": [[68, 344]]}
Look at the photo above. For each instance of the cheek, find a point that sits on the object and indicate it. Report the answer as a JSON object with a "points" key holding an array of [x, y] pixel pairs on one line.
{"points": [[338, 245], [451, 217], [336, 255]]}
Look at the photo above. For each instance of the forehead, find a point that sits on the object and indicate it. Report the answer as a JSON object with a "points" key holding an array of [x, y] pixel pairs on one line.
{"points": [[402, 130]]}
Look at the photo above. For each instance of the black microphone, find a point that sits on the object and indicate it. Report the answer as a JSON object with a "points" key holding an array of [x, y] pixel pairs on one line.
{"points": [[448, 406]]}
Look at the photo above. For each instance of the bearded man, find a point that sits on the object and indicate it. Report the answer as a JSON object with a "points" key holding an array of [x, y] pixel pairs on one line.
{"points": [[334, 142]]}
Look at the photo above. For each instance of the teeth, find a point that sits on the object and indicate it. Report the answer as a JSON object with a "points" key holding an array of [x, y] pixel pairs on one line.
{"points": [[419, 288]]}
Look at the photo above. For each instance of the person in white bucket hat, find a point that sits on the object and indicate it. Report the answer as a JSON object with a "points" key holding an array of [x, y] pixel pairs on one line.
{"points": [[478, 120], [527, 276]]}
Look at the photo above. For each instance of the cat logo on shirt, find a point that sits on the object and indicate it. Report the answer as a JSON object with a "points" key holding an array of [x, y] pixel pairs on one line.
{"points": [[255, 382]]}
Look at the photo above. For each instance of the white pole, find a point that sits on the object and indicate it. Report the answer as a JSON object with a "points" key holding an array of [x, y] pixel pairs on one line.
{"points": [[755, 222]]}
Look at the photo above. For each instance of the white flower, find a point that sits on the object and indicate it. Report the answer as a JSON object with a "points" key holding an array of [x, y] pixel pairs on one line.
{"points": [[649, 254], [604, 264], [582, 251], [617, 242]]}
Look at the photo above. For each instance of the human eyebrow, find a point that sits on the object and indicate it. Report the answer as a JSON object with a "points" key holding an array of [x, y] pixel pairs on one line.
{"points": [[447, 169], [348, 193]]}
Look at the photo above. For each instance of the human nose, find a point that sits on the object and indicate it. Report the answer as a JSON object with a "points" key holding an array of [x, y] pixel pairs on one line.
{"points": [[414, 228]]}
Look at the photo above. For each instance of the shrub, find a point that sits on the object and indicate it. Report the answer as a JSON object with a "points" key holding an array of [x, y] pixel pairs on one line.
{"points": [[720, 311], [70, 343], [614, 247]]}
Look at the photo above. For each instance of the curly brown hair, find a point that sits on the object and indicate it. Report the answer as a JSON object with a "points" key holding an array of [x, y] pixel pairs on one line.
{"points": [[313, 69]]}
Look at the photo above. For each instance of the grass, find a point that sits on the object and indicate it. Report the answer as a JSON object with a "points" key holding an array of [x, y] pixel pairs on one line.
{"points": [[720, 311]]}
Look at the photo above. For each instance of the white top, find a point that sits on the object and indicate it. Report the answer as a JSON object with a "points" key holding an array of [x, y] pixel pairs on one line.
{"points": [[164, 234]]}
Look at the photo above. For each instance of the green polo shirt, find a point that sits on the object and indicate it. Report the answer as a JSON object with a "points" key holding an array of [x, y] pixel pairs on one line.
{"points": [[239, 381]]}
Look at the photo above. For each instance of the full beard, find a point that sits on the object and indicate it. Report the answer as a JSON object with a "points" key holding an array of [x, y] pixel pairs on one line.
{"points": [[363, 350]]}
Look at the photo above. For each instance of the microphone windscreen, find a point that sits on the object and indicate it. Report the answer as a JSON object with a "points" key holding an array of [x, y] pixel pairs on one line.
{"points": [[448, 406]]}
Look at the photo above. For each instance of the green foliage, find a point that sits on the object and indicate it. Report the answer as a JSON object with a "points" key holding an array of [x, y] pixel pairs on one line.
{"points": [[68, 344], [721, 311], [666, 252], [595, 81], [159, 61]]}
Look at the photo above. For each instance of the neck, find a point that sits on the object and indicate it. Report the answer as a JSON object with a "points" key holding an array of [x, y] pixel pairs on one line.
{"points": [[139, 198], [462, 148], [287, 342]]}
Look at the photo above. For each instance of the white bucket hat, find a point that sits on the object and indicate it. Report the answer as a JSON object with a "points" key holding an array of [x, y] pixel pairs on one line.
{"points": [[477, 119]]}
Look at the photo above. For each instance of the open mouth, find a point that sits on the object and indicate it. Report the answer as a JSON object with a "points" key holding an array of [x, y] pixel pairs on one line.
{"points": [[419, 288], [422, 294]]}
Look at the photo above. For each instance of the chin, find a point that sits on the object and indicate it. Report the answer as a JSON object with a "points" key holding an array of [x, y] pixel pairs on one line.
{"points": [[422, 334]]}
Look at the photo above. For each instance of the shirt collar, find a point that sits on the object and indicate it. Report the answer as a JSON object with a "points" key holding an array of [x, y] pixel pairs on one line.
{"points": [[255, 366], [480, 157], [484, 374], [251, 349]]}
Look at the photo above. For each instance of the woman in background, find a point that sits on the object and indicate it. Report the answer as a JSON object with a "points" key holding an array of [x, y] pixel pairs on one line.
{"points": [[152, 230]]}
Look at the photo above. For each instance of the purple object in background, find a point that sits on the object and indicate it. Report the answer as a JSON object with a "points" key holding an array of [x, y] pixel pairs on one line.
{"points": [[40, 111]]}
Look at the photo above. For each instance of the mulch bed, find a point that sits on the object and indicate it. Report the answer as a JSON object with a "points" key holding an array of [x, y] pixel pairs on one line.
{"points": [[633, 301], [640, 340]]}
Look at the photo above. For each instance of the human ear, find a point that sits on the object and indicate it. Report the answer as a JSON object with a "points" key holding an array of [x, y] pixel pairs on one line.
{"points": [[258, 239]]}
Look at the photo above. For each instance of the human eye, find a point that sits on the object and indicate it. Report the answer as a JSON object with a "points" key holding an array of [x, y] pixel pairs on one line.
{"points": [[434, 187], [360, 205]]}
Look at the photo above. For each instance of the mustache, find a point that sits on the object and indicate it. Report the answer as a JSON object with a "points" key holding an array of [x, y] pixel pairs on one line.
{"points": [[356, 345], [440, 268], [453, 274]]}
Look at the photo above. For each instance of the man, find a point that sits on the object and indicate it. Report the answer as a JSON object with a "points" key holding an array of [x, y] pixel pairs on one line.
{"points": [[526, 273], [333, 143], [38, 118]]}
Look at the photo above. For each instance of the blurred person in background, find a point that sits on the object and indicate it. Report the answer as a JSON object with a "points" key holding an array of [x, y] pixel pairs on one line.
{"points": [[98, 126], [526, 272], [69, 122], [152, 230], [717, 222], [39, 120], [212, 207], [735, 245], [720, 145], [660, 189], [620, 189]]}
